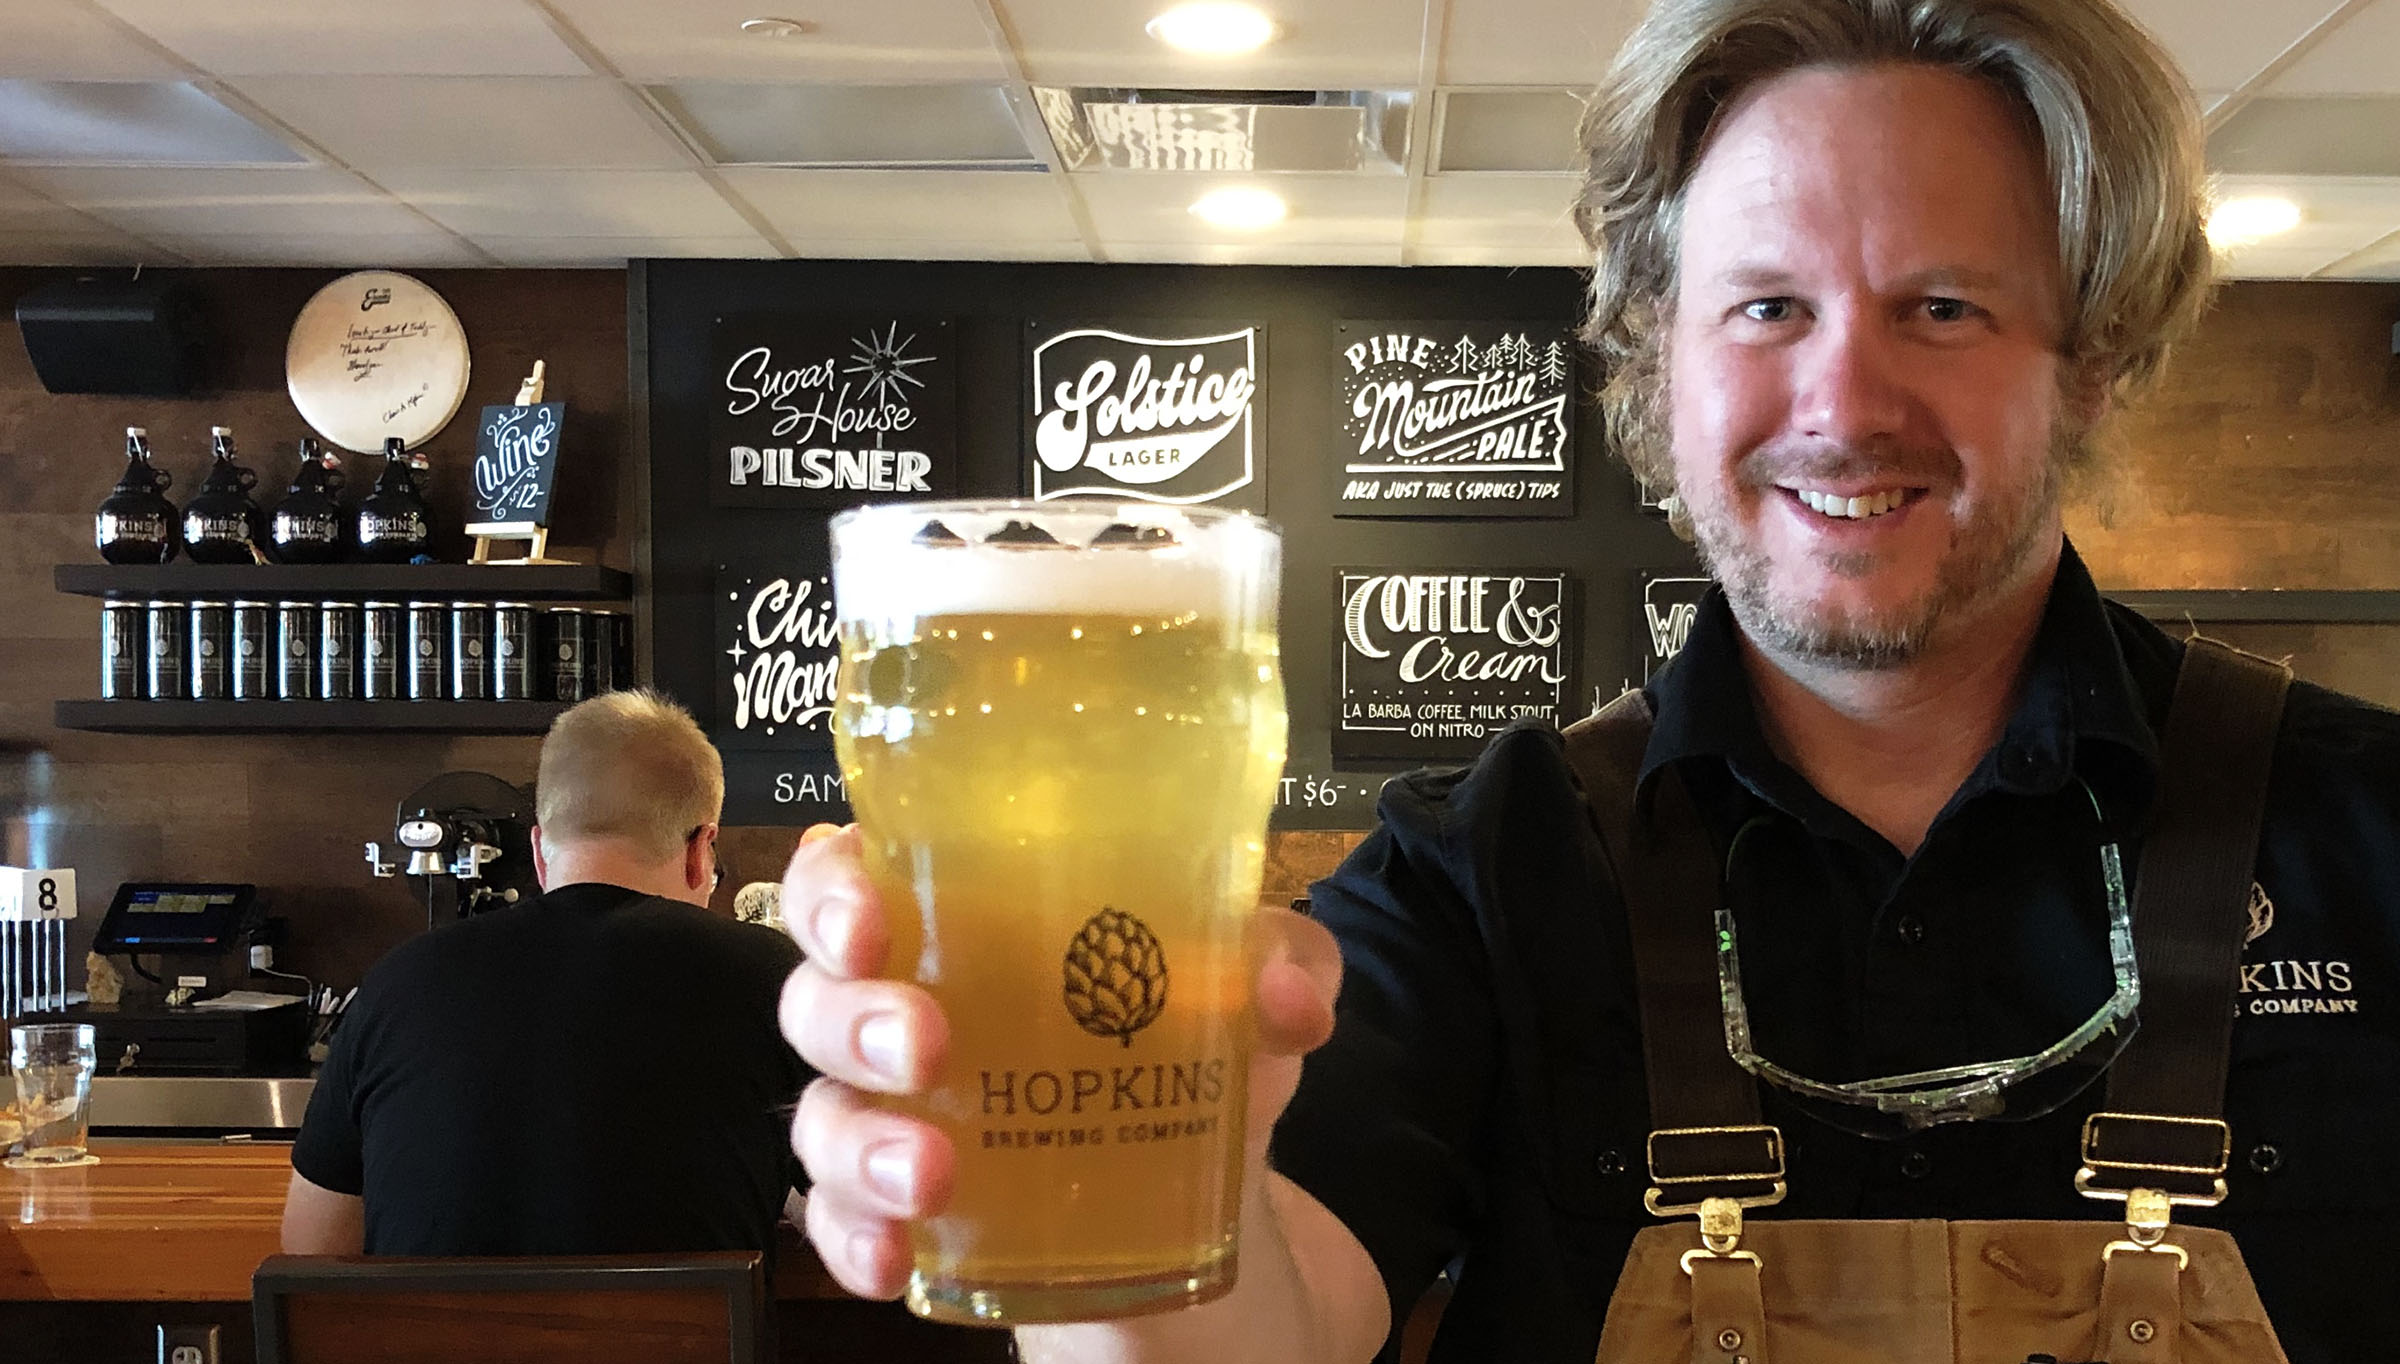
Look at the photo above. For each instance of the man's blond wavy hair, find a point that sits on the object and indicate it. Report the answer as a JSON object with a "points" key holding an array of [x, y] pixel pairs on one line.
{"points": [[628, 766], [2114, 119]]}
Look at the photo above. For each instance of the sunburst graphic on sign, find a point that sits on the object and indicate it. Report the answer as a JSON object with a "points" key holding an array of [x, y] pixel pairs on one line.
{"points": [[886, 363]]}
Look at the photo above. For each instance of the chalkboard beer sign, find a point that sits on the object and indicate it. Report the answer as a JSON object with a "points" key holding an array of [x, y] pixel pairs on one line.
{"points": [[1146, 413], [1431, 663], [516, 464], [1669, 606], [1452, 419], [810, 411], [777, 651]]}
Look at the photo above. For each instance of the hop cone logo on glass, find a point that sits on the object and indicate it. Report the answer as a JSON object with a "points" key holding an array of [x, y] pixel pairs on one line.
{"points": [[1116, 976]]}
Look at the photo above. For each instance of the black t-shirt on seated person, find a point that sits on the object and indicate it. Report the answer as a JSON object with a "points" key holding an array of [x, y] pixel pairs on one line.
{"points": [[596, 1071]]}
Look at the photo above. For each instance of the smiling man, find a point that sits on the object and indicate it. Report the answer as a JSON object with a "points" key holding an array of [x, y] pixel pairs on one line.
{"points": [[1869, 275]]}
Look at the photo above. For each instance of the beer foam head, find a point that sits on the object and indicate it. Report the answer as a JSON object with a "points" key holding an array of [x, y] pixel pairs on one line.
{"points": [[911, 560]]}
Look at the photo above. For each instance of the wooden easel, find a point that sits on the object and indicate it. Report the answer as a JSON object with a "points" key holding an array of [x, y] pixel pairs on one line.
{"points": [[528, 393]]}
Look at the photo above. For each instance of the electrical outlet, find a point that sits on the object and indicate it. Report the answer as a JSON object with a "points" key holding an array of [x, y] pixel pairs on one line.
{"points": [[187, 1345]]}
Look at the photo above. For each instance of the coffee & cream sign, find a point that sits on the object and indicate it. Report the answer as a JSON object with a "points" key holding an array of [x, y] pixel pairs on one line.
{"points": [[1146, 414], [1431, 663]]}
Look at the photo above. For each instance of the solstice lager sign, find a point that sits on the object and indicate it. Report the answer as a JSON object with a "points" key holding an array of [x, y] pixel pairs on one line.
{"points": [[1128, 413], [1454, 419]]}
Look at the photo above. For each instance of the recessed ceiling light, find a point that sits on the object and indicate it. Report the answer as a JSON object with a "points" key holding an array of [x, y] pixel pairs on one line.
{"points": [[1212, 28], [1241, 208], [774, 28], [2238, 222]]}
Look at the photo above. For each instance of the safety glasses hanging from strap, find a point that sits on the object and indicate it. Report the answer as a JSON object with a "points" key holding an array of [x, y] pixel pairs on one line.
{"points": [[2012, 1089]]}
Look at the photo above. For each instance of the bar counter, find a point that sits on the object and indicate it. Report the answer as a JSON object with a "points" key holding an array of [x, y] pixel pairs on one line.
{"points": [[160, 1223]]}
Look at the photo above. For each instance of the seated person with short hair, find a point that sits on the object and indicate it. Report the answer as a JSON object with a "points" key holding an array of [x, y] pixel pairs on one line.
{"points": [[595, 1071]]}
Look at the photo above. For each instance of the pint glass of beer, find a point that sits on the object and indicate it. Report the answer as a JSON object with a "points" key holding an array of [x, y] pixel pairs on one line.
{"points": [[1062, 726]]}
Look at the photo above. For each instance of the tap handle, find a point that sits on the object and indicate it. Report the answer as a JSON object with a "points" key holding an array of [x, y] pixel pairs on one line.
{"points": [[377, 865]]}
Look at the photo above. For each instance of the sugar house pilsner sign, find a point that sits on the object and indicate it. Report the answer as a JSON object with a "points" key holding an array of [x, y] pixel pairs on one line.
{"points": [[1146, 413], [815, 411], [1453, 419]]}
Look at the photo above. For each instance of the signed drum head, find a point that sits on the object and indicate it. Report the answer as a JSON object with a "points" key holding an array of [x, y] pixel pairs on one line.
{"points": [[374, 355]]}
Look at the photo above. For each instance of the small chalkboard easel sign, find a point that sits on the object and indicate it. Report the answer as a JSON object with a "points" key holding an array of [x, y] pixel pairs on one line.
{"points": [[516, 463]]}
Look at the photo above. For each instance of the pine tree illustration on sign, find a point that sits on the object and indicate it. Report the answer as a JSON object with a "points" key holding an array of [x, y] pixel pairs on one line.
{"points": [[1116, 976]]}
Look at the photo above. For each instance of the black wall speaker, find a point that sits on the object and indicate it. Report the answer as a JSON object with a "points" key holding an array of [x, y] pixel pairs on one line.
{"points": [[129, 336]]}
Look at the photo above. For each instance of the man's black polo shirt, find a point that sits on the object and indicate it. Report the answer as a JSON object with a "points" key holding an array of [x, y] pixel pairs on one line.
{"points": [[1481, 1105], [595, 1071]]}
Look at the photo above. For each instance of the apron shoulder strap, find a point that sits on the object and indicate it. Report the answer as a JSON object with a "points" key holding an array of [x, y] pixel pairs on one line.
{"points": [[2163, 1126], [1707, 1139]]}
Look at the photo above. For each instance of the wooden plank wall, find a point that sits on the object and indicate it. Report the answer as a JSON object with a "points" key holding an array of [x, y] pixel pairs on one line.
{"points": [[2269, 458], [290, 813]]}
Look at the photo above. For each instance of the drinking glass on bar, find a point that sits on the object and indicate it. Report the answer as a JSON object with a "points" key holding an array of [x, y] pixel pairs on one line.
{"points": [[53, 1065], [1062, 726]]}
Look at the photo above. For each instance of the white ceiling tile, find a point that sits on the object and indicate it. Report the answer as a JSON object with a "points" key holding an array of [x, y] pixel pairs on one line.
{"points": [[885, 248], [2223, 43], [1519, 129], [2362, 57], [1255, 253], [1502, 256], [355, 37], [77, 246], [608, 251], [2337, 216], [24, 209], [2334, 135], [361, 252], [896, 40], [62, 40], [1564, 42], [569, 203], [1327, 209], [908, 206], [2274, 262], [1499, 211], [1325, 45], [2380, 261], [166, 201], [376, 123]]}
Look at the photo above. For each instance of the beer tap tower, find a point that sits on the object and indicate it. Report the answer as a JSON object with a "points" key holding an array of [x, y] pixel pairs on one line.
{"points": [[35, 904]]}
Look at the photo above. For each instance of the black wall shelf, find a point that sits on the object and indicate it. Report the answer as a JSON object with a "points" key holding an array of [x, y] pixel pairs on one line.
{"points": [[507, 582], [289, 717], [2262, 606]]}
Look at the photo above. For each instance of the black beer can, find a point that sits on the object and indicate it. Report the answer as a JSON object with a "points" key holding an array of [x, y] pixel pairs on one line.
{"points": [[337, 650], [122, 634], [470, 651], [170, 623], [570, 654], [212, 651], [296, 650], [382, 637], [253, 650], [513, 651], [612, 650], [428, 667]]}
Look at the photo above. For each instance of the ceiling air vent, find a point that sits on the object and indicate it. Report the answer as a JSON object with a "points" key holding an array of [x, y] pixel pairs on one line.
{"points": [[1102, 129]]}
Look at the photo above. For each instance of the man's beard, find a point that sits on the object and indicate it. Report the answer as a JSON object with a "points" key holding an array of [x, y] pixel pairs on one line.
{"points": [[1985, 557]]}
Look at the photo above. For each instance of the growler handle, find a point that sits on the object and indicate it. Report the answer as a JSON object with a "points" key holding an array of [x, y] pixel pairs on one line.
{"points": [[248, 478], [164, 481], [336, 480]]}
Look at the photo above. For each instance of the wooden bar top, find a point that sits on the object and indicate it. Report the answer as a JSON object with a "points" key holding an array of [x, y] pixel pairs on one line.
{"points": [[189, 1222]]}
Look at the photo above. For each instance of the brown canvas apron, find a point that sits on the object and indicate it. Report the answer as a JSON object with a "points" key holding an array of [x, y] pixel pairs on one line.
{"points": [[1717, 1291]]}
